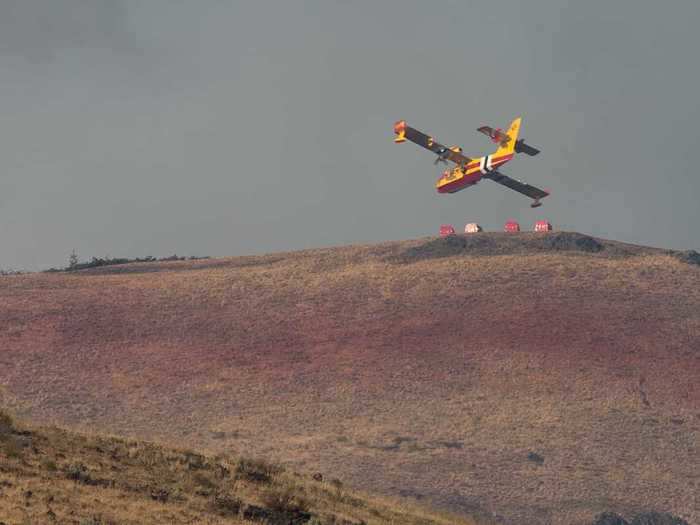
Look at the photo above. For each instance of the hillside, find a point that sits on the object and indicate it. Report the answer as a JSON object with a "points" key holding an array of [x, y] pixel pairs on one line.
{"points": [[54, 476], [530, 378]]}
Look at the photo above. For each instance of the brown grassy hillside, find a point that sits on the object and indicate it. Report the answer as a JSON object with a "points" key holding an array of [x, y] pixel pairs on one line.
{"points": [[54, 476], [537, 378]]}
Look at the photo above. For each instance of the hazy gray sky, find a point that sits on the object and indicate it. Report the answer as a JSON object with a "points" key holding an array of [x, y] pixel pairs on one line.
{"points": [[134, 128]]}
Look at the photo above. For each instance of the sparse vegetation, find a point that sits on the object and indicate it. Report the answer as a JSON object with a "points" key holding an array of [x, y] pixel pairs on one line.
{"points": [[610, 518], [205, 480], [8, 272], [9, 444], [110, 481], [93, 521], [286, 500], [96, 262], [6, 423], [49, 465], [73, 261], [657, 518], [582, 357], [338, 488], [645, 518], [688, 256], [11, 447], [256, 470], [227, 505], [78, 472]]}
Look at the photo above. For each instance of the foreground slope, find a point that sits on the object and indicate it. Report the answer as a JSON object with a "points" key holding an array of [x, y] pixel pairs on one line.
{"points": [[531, 378], [54, 476]]}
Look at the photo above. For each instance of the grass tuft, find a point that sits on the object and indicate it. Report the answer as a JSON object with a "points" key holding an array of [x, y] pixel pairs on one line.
{"points": [[256, 470]]}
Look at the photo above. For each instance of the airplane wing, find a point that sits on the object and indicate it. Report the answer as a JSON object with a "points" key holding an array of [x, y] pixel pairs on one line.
{"points": [[404, 132], [521, 187]]}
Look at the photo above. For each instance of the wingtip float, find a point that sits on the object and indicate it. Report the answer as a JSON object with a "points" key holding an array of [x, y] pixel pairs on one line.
{"points": [[467, 171], [400, 131]]}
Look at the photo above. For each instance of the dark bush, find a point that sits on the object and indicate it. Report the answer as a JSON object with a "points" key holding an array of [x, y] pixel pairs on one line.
{"points": [[11, 447], [287, 506], [490, 244], [689, 257], [609, 518], [95, 520], [255, 470], [78, 472], [97, 262], [535, 458], [255, 513], [571, 241], [194, 461], [285, 500], [160, 494], [227, 505], [204, 480], [657, 518], [6, 424]]}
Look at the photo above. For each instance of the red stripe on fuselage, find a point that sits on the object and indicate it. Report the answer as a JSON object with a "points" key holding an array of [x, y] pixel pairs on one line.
{"points": [[460, 184], [473, 174]]}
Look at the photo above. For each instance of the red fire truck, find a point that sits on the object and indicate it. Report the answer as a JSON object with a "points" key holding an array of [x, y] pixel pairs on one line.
{"points": [[446, 229], [543, 226], [511, 226]]}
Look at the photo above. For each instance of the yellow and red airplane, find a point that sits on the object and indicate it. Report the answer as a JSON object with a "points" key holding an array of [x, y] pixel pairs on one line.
{"points": [[468, 172]]}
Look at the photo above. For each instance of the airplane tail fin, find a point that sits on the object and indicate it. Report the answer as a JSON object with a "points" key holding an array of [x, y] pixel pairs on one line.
{"points": [[509, 147]]}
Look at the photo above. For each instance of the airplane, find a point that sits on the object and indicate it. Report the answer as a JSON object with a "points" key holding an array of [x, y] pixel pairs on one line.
{"points": [[467, 171]]}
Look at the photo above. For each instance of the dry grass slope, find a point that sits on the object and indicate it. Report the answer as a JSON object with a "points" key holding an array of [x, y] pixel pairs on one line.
{"points": [[55, 476], [529, 378]]}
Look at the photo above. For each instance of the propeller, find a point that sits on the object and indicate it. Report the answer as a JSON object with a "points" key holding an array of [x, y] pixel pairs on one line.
{"points": [[442, 155]]}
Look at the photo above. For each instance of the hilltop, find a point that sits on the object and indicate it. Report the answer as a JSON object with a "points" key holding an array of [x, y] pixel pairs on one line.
{"points": [[527, 378]]}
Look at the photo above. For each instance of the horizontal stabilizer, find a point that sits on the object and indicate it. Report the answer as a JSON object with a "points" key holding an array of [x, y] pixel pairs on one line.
{"points": [[521, 147], [496, 135]]}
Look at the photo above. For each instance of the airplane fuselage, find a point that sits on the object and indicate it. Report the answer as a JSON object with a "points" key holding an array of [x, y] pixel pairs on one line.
{"points": [[461, 177]]}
